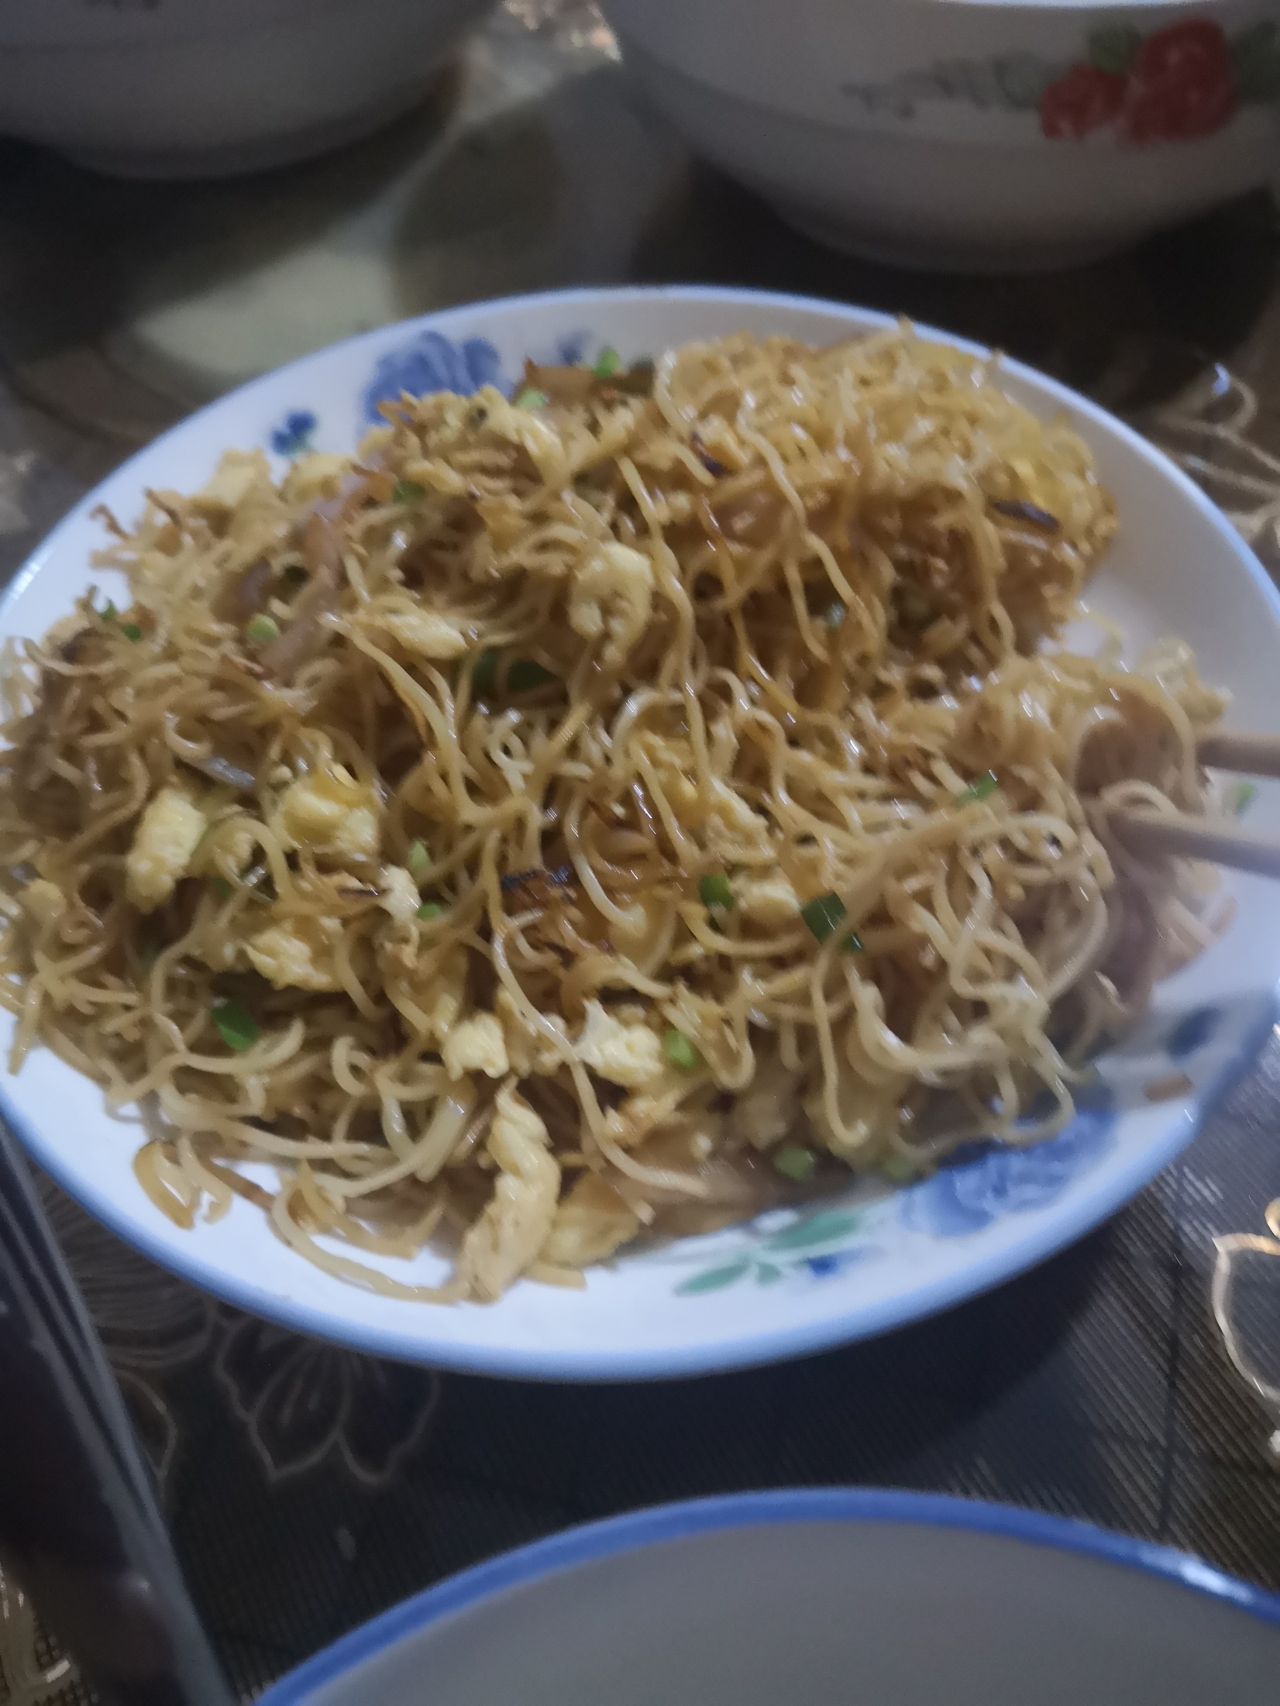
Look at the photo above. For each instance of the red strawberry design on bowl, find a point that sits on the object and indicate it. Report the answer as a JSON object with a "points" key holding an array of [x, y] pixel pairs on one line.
{"points": [[1086, 99], [1180, 85]]}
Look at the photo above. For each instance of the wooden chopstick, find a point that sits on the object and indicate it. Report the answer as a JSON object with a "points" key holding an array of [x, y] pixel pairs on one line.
{"points": [[1253, 755], [1220, 840]]}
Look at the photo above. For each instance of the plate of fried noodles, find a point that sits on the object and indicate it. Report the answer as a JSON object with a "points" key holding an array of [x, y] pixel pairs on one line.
{"points": [[572, 837]]}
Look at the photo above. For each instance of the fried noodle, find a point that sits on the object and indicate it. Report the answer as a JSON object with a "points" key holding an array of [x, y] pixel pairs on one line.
{"points": [[618, 809]]}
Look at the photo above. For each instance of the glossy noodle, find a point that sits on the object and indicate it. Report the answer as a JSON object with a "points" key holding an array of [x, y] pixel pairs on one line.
{"points": [[608, 811]]}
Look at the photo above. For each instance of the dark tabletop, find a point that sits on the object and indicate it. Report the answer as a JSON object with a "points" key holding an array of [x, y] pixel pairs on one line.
{"points": [[309, 1487]]}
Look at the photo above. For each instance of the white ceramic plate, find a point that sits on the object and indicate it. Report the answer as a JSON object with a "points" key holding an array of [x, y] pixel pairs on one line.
{"points": [[818, 1599], [786, 1283]]}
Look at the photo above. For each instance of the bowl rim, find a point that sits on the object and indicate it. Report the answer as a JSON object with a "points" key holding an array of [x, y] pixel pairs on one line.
{"points": [[754, 1349], [590, 1542]]}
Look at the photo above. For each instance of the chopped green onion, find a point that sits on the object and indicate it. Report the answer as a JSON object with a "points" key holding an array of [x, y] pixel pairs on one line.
{"points": [[223, 887], [429, 909], [608, 361], [238, 1027], [852, 943], [261, 631], [796, 1163], [525, 674], [679, 1050], [900, 1168], [131, 630], [835, 614], [418, 859], [1244, 798], [716, 890], [822, 915], [408, 492], [532, 399], [110, 613], [979, 790], [484, 671]]}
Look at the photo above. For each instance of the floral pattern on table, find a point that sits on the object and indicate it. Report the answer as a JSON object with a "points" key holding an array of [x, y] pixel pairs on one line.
{"points": [[304, 1403], [1180, 83]]}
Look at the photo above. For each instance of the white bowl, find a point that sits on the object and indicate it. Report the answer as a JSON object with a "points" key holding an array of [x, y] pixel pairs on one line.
{"points": [[978, 134], [190, 88], [787, 1282], [816, 1599]]}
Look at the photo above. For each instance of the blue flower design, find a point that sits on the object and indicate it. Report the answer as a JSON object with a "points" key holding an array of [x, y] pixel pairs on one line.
{"points": [[1193, 1032], [836, 1261], [972, 1192], [293, 436], [433, 363]]}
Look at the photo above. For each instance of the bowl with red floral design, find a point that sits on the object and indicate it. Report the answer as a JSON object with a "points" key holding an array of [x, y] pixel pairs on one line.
{"points": [[983, 134]]}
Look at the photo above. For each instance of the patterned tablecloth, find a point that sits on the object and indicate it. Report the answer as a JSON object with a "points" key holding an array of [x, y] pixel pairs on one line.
{"points": [[309, 1487]]}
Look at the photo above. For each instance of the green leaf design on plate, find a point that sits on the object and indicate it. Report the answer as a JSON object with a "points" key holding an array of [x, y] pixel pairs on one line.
{"points": [[767, 1274], [1112, 48], [1255, 63], [713, 1279], [822, 1228]]}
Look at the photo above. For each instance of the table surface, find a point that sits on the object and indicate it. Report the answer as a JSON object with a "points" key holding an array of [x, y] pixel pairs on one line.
{"points": [[309, 1487]]}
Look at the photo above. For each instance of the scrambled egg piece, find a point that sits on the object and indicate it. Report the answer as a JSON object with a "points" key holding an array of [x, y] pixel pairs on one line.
{"points": [[589, 1225], [399, 894], [298, 954], [476, 1044], [238, 472], [329, 810], [516, 1221], [425, 633], [624, 1054], [314, 476], [612, 594], [43, 901], [768, 900], [163, 843]]}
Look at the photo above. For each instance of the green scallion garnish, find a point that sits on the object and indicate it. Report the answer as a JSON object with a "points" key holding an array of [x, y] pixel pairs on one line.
{"points": [[238, 1027], [524, 674], [484, 671], [429, 909], [532, 399], [796, 1163], [131, 631], [679, 1050], [1245, 795], [110, 613], [418, 859], [900, 1168], [716, 890], [608, 362], [261, 631], [823, 915], [979, 790], [408, 492]]}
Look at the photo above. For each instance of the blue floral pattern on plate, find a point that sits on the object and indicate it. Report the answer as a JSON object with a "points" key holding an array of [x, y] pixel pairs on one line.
{"points": [[433, 363], [971, 1192], [1193, 1032], [293, 436]]}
